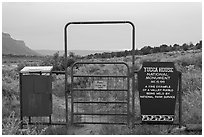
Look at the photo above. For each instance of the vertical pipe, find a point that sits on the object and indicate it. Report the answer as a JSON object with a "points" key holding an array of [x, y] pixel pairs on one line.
{"points": [[72, 105], [128, 95], [65, 92], [133, 75], [21, 102], [29, 120], [50, 119], [50, 116], [180, 100]]}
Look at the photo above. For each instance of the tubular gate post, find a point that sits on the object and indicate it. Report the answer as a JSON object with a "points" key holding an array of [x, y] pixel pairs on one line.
{"points": [[133, 78], [72, 105], [134, 99], [65, 92], [128, 96], [180, 100], [21, 103]]}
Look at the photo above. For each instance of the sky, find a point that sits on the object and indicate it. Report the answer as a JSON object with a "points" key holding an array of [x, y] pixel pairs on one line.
{"points": [[41, 25]]}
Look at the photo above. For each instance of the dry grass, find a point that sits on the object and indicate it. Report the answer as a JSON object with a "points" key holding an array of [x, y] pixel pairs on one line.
{"points": [[190, 64], [11, 126]]}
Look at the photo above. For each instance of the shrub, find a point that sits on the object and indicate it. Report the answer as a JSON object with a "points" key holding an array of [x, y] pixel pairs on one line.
{"points": [[193, 59], [58, 62], [21, 65]]}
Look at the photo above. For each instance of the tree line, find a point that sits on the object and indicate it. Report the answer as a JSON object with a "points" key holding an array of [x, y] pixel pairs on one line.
{"points": [[58, 62], [147, 50]]}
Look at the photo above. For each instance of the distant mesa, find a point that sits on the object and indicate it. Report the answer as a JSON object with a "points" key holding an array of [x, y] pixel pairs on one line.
{"points": [[6, 35], [15, 47], [11, 46]]}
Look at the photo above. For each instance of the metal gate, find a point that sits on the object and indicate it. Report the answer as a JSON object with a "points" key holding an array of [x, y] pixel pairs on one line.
{"points": [[100, 96], [74, 103]]}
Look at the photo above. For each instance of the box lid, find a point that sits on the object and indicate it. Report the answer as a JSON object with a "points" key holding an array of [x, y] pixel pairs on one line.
{"points": [[43, 69]]}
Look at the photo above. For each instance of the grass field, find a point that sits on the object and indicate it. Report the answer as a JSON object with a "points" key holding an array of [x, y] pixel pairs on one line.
{"points": [[187, 62]]}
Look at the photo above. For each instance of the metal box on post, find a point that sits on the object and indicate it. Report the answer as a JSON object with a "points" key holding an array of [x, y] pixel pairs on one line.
{"points": [[36, 91]]}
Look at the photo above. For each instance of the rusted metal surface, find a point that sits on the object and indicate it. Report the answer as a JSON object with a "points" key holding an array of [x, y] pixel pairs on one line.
{"points": [[36, 94]]}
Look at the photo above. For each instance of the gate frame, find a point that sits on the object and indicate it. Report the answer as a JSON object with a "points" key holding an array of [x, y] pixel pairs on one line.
{"points": [[111, 76], [133, 59]]}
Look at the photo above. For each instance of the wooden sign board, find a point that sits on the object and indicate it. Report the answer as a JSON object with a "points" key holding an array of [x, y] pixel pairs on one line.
{"points": [[158, 86], [100, 84]]}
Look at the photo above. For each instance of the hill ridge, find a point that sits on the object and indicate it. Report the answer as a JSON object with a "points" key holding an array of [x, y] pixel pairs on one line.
{"points": [[15, 47]]}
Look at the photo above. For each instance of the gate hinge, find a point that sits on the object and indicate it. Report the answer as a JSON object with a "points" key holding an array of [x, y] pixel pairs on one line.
{"points": [[131, 74]]}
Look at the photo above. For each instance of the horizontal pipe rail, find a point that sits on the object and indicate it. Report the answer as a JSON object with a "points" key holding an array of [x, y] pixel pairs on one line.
{"points": [[106, 102], [114, 76], [111, 114], [117, 63], [100, 22], [119, 123], [84, 89]]}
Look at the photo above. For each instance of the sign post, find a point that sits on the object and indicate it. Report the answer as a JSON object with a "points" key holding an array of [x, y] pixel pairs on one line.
{"points": [[158, 86]]}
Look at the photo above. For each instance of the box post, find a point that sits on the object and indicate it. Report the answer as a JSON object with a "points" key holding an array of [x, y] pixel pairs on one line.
{"points": [[21, 103], [180, 100]]}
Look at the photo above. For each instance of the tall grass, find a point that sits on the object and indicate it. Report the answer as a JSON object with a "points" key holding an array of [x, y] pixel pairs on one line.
{"points": [[11, 126], [192, 96], [138, 130]]}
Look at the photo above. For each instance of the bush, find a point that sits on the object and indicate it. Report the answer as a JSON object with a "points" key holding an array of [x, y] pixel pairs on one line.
{"points": [[193, 59], [21, 65], [58, 62]]}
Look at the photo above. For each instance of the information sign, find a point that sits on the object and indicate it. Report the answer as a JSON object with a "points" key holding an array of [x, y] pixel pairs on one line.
{"points": [[100, 84], [158, 85]]}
